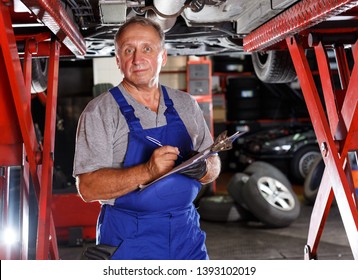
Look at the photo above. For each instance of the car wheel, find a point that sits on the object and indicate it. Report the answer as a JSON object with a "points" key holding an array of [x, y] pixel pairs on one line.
{"points": [[272, 201], [302, 161], [39, 75], [313, 181], [274, 66], [234, 189], [262, 166], [218, 208]]}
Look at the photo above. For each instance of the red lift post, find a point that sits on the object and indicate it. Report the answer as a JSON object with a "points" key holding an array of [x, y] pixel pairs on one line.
{"points": [[18, 143], [335, 127]]}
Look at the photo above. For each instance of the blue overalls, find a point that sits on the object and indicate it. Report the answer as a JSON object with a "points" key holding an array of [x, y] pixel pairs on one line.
{"points": [[160, 221]]}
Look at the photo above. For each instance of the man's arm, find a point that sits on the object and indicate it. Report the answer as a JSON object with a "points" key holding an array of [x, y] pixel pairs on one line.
{"points": [[213, 165], [110, 183]]}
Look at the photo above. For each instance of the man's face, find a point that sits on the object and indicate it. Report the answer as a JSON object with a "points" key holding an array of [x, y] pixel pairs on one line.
{"points": [[140, 55]]}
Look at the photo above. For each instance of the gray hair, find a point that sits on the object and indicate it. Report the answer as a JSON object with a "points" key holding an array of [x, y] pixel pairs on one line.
{"points": [[142, 21]]}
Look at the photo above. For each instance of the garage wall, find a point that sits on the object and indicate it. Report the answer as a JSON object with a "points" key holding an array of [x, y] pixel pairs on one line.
{"points": [[173, 74], [105, 70]]}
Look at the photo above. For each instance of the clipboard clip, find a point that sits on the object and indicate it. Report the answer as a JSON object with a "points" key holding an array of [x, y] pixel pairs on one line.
{"points": [[224, 143]]}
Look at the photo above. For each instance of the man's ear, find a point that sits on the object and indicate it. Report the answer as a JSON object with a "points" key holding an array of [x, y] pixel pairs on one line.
{"points": [[118, 62], [164, 57]]}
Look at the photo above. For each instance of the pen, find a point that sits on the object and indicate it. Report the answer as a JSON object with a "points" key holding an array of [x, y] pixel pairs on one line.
{"points": [[157, 142]]}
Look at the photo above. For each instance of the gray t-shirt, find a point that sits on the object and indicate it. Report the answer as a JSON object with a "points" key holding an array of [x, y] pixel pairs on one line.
{"points": [[102, 132]]}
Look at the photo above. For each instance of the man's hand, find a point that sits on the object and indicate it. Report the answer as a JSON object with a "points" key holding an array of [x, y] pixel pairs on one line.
{"points": [[195, 171], [162, 161]]}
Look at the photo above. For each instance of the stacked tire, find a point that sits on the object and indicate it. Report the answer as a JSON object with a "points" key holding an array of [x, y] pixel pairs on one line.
{"points": [[260, 193]]}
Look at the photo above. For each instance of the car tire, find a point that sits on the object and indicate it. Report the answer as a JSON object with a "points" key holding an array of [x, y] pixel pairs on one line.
{"points": [[39, 75], [313, 181], [274, 66], [205, 190], [272, 201], [302, 161], [262, 166], [234, 189], [218, 208]]}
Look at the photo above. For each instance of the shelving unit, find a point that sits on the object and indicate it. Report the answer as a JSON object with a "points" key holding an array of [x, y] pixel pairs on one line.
{"points": [[199, 86]]}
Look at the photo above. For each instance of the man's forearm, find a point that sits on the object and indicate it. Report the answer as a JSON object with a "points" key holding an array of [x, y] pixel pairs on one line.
{"points": [[109, 183]]}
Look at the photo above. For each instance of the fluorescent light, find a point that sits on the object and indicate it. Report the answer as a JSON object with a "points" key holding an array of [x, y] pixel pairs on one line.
{"points": [[9, 236]]}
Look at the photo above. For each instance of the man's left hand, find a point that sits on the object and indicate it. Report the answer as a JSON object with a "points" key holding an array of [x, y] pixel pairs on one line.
{"points": [[195, 171]]}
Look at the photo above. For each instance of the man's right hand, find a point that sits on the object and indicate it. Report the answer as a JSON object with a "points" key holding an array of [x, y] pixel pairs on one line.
{"points": [[162, 161]]}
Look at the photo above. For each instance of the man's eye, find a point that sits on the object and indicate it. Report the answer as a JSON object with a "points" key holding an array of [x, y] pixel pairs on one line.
{"points": [[128, 51], [147, 49]]}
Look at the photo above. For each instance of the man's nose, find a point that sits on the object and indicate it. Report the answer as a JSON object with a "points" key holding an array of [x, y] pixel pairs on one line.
{"points": [[137, 56]]}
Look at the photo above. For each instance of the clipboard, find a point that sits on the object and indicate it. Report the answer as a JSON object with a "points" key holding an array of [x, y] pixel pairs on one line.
{"points": [[221, 143]]}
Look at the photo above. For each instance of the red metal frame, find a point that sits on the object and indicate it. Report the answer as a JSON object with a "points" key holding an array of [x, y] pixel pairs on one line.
{"points": [[18, 144], [337, 179], [19, 83], [70, 211], [336, 127], [300, 17]]}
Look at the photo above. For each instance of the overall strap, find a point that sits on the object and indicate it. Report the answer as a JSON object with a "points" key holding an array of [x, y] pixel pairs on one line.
{"points": [[126, 109], [170, 113]]}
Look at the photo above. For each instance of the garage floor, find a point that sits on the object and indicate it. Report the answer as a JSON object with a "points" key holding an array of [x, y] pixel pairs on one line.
{"points": [[251, 241]]}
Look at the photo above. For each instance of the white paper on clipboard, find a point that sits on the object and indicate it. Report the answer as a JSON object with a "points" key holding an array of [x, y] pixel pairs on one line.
{"points": [[218, 146]]}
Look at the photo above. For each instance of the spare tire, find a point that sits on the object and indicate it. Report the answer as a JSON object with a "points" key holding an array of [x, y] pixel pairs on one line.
{"points": [[234, 189], [218, 208], [272, 201], [262, 166], [313, 180]]}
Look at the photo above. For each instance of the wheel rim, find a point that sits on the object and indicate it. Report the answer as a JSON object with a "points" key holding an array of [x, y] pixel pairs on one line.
{"points": [[306, 162], [276, 194]]}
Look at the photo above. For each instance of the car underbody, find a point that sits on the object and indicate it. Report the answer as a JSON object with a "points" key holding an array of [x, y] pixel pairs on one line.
{"points": [[192, 27]]}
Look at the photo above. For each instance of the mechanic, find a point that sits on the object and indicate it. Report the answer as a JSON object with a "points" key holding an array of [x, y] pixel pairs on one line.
{"points": [[114, 157]]}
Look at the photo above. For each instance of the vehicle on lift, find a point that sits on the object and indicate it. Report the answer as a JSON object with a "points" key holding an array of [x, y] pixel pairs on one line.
{"points": [[192, 27]]}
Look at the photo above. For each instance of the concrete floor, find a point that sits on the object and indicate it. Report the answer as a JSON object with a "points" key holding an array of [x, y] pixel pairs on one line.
{"points": [[251, 241]]}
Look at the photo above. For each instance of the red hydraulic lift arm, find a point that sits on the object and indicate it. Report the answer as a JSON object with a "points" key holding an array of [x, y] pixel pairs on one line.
{"points": [[46, 227], [299, 17], [21, 97], [55, 17], [336, 129], [336, 163]]}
